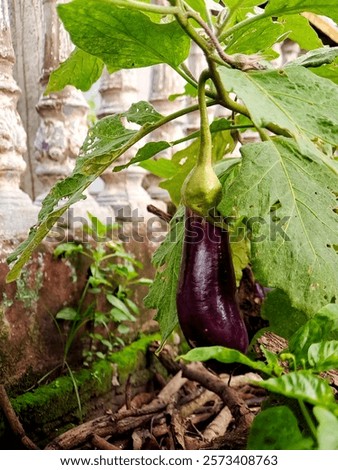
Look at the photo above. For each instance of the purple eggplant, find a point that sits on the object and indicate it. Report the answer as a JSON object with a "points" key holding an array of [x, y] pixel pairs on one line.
{"points": [[207, 308]]}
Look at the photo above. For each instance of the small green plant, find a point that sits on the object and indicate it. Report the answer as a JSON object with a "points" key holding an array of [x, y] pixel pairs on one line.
{"points": [[105, 306], [301, 411]]}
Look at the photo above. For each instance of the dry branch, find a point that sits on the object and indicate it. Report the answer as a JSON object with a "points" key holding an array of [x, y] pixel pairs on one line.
{"points": [[13, 420]]}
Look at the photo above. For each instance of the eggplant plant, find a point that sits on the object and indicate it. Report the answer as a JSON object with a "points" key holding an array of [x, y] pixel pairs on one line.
{"points": [[275, 205]]}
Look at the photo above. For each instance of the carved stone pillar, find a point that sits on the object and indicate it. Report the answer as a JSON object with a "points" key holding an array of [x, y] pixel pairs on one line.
{"points": [[26, 18], [63, 119], [122, 191], [17, 212], [117, 91], [290, 51], [164, 82]]}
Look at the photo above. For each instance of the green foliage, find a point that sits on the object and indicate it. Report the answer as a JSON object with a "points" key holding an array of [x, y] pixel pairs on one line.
{"points": [[292, 224], [80, 70], [277, 428], [110, 277], [162, 294], [123, 38], [290, 377], [281, 194], [294, 99]]}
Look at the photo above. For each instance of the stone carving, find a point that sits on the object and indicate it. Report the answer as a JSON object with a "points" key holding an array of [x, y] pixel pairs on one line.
{"points": [[164, 82], [123, 191], [17, 212], [63, 120]]}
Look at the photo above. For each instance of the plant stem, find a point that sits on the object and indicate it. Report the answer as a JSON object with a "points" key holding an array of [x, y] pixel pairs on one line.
{"points": [[187, 77], [227, 18], [182, 18], [148, 7], [223, 94], [240, 25], [308, 419], [196, 134], [204, 157]]}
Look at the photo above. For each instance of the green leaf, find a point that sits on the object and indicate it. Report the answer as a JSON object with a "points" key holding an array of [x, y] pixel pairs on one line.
{"points": [[121, 37], [162, 293], [199, 6], [81, 70], [300, 30], [272, 360], [123, 329], [294, 99], [301, 385], [105, 142], [316, 58], [324, 355], [67, 249], [224, 355], [329, 71], [144, 153], [289, 7], [283, 318], [67, 313], [287, 200], [265, 32], [142, 113], [117, 315], [327, 430], [318, 328], [117, 303], [131, 305], [277, 429], [162, 167]]}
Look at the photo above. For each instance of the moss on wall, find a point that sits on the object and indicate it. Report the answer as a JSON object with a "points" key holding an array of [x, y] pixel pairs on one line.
{"points": [[57, 402]]}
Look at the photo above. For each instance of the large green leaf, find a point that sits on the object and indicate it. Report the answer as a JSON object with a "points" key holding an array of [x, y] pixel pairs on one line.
{"points": [[319, 328], [162, 293], [121, 37], [288, 200], [105, 142], [277, 429], [80, 70], [289, 7], [294, 99], [265, 32], [283, 318], [226, 356], [299, 30], [329, 71], [316, 58], [327, 431], [324, 355], [301, 385]]}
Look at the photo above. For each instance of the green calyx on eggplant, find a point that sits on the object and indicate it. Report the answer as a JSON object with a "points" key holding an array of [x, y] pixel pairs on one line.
{"points": [[201, 190], [207, 307]]}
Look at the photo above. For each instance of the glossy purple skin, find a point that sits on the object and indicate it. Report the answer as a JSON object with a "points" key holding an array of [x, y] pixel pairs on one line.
{"points": [[206, 302]]}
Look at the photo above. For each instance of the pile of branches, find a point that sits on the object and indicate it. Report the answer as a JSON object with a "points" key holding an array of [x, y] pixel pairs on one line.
{"points": [[194, 409]]}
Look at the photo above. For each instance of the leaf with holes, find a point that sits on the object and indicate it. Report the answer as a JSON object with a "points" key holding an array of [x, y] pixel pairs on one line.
{"points": [[294, 99], [106, 141], [162, 293], [287, 200]]}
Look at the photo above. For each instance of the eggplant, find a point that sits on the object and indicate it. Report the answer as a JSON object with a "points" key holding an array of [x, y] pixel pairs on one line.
{"points": [[207, 308]]}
